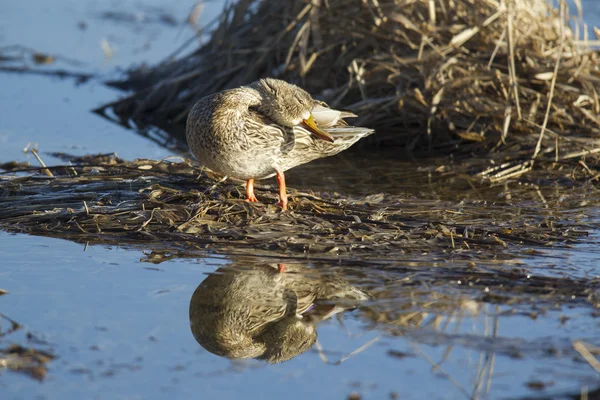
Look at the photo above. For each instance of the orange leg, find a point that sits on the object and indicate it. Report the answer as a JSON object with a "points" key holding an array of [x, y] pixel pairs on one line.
{"points": [[281, 267], [283, 200], [250, 197]]}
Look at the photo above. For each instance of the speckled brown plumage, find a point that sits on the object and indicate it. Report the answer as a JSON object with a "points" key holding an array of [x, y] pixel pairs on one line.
{"points": [[263, 129], [255, 311]]}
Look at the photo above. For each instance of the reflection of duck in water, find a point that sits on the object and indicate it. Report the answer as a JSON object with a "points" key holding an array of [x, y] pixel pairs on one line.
{"points": [[259, 312]]}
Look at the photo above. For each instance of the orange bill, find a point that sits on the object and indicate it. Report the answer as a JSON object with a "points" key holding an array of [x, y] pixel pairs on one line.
{"points": [[311, 125]]}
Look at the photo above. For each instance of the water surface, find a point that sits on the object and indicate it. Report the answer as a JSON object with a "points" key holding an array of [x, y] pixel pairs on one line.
{"points": [[119, 325]]}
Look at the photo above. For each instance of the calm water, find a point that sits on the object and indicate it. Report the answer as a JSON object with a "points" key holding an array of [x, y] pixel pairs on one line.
{"points": [[120, 325], [121, 330]]}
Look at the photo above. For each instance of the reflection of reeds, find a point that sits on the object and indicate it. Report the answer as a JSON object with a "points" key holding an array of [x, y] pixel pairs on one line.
{"points": [[438, 311], [485, 364], [506, 75], [354, 352], [431, 313], [414, 307]]}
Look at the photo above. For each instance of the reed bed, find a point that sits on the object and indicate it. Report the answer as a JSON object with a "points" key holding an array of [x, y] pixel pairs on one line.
{"points": [[164, 202], [516, 80]]}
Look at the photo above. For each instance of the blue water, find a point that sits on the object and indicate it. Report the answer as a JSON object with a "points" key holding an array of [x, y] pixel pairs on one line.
{"points": [[54, 112], [121, 330], [120, 326]]}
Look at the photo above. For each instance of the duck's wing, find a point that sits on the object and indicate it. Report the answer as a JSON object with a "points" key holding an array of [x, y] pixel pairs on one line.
{"points": [[331, 121], [264, 133], [264, 312], [299, 145], [353, 133], [327, 117]]}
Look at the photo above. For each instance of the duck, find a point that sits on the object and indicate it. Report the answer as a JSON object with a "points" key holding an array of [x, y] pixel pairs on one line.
{"points": [[265, 128], [254, 310]]}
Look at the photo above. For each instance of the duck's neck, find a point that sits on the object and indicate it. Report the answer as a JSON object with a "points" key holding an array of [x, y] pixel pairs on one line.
{"points": [[243, 98], [234, 108]]}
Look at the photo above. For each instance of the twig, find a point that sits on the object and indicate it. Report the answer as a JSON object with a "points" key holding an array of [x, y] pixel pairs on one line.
{"points": [[538, 146], [582, 348], [350, 355], [441, 370], [45, 169], [512, 67]]}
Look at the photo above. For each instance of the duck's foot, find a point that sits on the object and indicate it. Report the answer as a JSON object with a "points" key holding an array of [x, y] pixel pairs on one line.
{"points": [[283, 199], [250, 197], [281, 267]]}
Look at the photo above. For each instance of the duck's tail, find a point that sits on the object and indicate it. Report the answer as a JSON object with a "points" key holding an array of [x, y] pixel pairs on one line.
{"points": [[307, 148], [332, 121], [354, 133]]}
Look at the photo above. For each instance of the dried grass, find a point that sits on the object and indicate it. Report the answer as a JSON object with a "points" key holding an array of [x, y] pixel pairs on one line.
{"points": [[173, 204], [455, 76]]}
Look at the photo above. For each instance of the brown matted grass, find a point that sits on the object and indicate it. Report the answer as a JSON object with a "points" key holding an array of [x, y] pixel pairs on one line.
{"points": [[168, 202]]}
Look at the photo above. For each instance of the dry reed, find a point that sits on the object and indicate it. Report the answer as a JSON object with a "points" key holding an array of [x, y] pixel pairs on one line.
{"points": [[506, 78]]}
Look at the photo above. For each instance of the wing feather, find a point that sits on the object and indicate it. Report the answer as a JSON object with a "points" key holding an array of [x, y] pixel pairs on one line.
{"points": [[267, 135], [328, 117]]}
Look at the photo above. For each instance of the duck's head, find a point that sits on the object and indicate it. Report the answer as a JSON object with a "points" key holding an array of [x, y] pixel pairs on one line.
{"points": [[288, 105]]}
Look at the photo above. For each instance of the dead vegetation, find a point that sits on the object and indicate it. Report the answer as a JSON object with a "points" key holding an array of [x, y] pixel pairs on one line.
{"points": [[29, 360], [24, 60], [517, 80], [147, 200]]}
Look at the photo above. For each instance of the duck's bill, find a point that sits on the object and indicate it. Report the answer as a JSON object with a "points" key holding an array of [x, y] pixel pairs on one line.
{"points": [[311, 125]]}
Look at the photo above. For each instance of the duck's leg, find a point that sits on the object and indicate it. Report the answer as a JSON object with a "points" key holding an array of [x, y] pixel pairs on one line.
{"points": [[250, 197], [283, 200], [281, 267]]}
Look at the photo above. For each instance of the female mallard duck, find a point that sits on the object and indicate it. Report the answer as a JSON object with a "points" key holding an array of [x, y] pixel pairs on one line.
{"points": [[255, 311], [264, 129]]}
